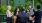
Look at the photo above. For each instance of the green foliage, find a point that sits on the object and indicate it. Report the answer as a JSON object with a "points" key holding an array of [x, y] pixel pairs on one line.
{"points": [[19, 6], [41, 1], [11, 2], [3, 9], [12, 9], [35, 2], [26, 4]]}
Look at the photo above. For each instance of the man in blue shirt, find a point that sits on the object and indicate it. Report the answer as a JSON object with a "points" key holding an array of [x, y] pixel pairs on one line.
{"points": [[22, 17]]}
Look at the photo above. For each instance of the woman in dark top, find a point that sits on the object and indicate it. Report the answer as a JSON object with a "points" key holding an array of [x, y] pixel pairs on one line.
{"points": [[16, 12]]}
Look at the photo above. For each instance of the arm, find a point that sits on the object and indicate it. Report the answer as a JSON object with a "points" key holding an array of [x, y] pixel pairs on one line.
{"points": [[15, 17], [33, 16]]}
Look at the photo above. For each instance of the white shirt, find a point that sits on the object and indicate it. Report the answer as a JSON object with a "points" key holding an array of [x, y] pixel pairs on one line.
{"points": [[31, 11], [8, 13]]}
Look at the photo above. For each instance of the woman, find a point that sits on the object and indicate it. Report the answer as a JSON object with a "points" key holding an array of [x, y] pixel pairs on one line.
{"points": [[9, 14], [16, 12]]}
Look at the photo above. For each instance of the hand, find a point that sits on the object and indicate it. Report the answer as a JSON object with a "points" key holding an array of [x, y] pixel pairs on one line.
{"points": [[31, 18], [15, 17]]}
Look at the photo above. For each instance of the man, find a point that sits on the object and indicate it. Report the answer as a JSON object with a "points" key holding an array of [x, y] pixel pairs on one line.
{"points": [[38, 14], [22, 17], [31, 10]]}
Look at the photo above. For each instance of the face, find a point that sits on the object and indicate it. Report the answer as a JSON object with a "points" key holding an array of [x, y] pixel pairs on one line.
{"points": [[29, 7], [9, 7], [18, 9]]}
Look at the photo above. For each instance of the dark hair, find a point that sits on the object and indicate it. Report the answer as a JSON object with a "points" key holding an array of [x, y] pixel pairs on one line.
{"points": [[26, 11], [38, 6], [23, 9], [15, 11]]}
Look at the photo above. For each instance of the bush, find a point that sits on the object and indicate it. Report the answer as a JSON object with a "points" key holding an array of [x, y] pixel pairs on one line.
{"points": [[3, 9]]}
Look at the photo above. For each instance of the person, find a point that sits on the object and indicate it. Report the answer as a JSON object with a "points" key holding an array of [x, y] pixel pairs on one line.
{"points": [[22, 17], [31, 10], [16, 12], [38, 14], [9, 14]]}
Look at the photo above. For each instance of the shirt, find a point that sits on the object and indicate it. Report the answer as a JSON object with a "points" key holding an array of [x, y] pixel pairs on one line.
{"points": [[31, 11], [22, 18], [8, 13]]}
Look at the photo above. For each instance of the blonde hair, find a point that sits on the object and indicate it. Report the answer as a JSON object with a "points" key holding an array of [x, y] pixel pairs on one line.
{"points": [[8, 6]]}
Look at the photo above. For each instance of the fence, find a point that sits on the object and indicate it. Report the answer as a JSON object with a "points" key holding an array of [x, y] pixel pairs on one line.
{"points": [[3, 17]]}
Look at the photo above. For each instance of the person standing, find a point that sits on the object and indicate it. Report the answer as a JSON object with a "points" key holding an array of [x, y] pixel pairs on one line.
{"points": [[22, 17], [31, 10], [9, 14], [38, 14], [16, 12]]}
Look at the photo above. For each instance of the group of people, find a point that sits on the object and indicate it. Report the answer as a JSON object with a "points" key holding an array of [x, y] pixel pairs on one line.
{"points": [[26, 16]]}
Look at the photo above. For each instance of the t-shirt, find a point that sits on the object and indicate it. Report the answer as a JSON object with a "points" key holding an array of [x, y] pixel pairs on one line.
{"points": [[31, 11]]}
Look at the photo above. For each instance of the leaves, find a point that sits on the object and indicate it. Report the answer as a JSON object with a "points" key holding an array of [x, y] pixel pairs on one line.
{"points": [[41, 1], [3, 9]]}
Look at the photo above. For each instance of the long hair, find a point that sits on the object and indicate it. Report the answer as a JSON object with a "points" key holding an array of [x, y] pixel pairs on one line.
{"points": [[15, 11]]}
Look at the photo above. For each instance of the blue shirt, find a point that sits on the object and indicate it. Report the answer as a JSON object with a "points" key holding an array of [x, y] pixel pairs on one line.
{"points": [[22, 18]]}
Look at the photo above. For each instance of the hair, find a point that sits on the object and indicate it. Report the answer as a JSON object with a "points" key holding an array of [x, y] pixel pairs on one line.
{"points": [[15, 11], [8, 6], [23, 9], [27, 11], [38, 6]]}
